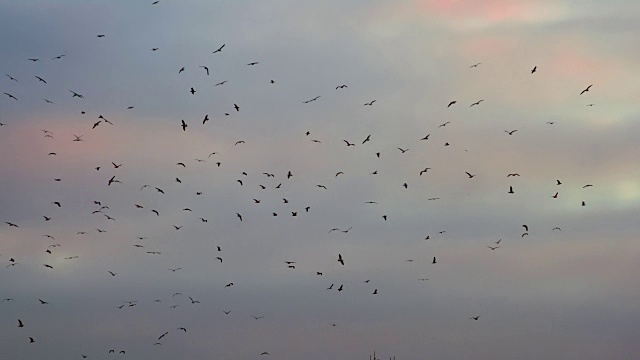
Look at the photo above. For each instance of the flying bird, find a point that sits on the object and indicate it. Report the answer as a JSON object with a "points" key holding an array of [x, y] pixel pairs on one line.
{"points": [[587, 89], [340, 260], [219, 49], [451, 103]]}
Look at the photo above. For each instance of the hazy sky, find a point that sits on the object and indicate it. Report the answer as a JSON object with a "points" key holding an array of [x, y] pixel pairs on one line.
{"points": [[555, 294]]}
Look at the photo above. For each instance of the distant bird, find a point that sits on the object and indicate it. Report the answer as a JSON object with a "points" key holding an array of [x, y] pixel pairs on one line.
{"points": [[20, 323], [341, 87], [100, 35], [534, 69], [511, 190], [513, 174], [181, 70], [206, 69], [11, 78], [34, 60], [112, 273], [206, 118], [184, 125], [510, 132], [445, 124], [348, 143], [375, 292], [493, 247], [370, 103], [451, 103], [426, 137], [584, 203], [340, 288], [75, 94], [475, 65], [586, 186], [219, 49], [340, 260], [253, 63], [403, 150], [555, 196], [526, 228], [476, 103], [434, 260], [367, 139], [113, 180], [475, 317], [221, 83], [558, 182], [11, 96], [556, 228], [40, 79], [239, 216], [469, 175], [587, 89], [192, 91]]}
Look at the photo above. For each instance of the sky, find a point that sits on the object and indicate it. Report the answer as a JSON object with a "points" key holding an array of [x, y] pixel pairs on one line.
{"points": [[563, 287]]}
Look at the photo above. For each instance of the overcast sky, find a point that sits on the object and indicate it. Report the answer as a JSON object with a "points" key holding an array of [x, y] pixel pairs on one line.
{"points": [[568, 293]]}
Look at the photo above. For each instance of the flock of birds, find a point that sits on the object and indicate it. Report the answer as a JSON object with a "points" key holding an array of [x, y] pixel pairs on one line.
{"points": [[277, 181]]}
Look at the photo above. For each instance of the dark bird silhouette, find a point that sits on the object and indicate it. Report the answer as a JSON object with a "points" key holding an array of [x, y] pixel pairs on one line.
{"points": [[586, 186], [434, 260], [11, 78], [510, 132], [253, 63], [11, 96], [181, 70], [370, 103], [451, 103], [192, 91], [403, 150], [513, 174], [348, 143], [426, 137], [20, 323], [555, 196], [341, 87], [587, 89], [75, 94], [511, 190], [475, 317], [534, 69], [206, 118], [40, 79], [475, 65], [476, 103], [367, 139], [219, 49], [221, 83], [526, 228], [469, 175], [113, 180], [206, 69], [42, 302], [340, 260]]}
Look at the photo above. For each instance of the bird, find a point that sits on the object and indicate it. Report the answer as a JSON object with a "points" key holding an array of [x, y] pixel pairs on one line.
{"points": [[510, 132], [475, 317], [434, 260], [113, 180], [403, 150], [556, 228], [341, 87], [11, 78], [534, 69], [184, 124], [206, 118], [239, 216], [375, 292], [340, 288], [40, 79], [370, 103], [469, 175], [192, 91], [163, 335], [20, 323], [526, 228], [181, 70], [476, 103], [587, 89], [426, 137], [11, 224], [219, 49], [558, 182], [206, 69], [452, 102], [475, 65], [555, 196], [340, 260], [253, 63], [100, 35], [511, 190], [586, 186], [221, 83], [112, 273], [257, 317], [11, 96], [367, 139], [493, 247], [75, 94], [513, 174], [34, 60], [348, 143]]}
